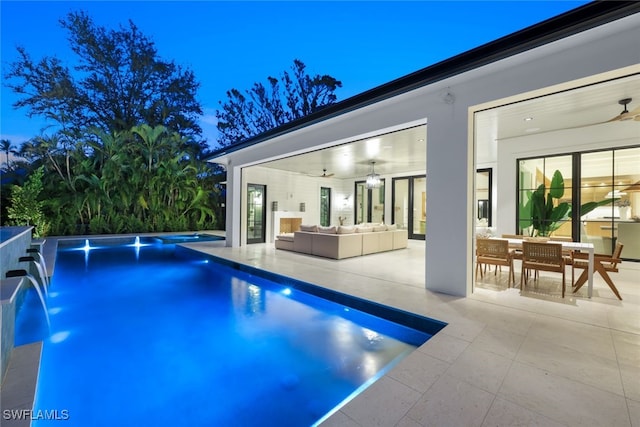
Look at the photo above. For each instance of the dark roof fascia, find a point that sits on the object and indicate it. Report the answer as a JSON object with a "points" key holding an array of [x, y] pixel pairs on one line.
{"points": [[572, 22]]}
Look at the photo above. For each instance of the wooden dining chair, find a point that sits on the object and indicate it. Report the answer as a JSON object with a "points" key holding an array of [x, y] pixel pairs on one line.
{"points": [[494, 252], [565, 252], [603, 265], [539, 256], [516, 253]]}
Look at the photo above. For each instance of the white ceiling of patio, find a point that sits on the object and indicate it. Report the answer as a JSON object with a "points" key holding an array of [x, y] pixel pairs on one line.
{"points": [[405, 151]]}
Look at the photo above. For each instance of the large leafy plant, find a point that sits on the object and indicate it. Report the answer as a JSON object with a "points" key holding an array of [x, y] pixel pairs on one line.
{"points": [[544, 214]]}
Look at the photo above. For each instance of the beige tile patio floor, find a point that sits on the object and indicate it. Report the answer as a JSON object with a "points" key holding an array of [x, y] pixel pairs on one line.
{"points": [[506, 357]]}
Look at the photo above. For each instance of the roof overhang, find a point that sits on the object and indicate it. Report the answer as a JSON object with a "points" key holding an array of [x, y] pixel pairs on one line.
{"points": [[567, 24]]}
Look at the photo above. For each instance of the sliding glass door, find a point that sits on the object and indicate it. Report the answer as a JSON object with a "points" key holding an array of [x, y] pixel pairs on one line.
{"points": [[611, 179], [595, 202], [410, 205], [256, 213], [369, 203]]}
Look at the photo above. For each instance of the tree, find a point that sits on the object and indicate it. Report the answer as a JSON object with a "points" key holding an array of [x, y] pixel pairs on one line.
{"points": [[266, 107], [25, 208], [8, 149], [119, 82]]}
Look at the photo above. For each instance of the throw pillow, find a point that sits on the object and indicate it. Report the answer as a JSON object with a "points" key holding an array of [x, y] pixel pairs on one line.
{"points": [[344, 229], [327, 230]]}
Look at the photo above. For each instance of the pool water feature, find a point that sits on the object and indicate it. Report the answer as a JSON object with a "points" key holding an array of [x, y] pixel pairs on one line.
{"points": [[161, 335]]}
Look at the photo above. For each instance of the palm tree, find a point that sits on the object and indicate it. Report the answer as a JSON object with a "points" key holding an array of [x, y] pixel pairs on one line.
{"points": [[8, 148]]}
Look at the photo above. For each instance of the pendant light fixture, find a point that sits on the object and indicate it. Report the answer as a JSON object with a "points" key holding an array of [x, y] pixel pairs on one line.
{"points": [[373, 179]]}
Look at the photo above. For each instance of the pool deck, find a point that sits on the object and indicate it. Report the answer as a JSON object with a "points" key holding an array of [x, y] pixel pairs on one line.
{"points": [[505, 358]]}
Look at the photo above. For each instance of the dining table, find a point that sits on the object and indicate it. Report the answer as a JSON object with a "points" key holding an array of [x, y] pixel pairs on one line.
{"points": [[571, 246]]}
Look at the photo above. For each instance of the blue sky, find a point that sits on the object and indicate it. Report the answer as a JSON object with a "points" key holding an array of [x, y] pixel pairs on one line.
{"points": [[234, 44]]}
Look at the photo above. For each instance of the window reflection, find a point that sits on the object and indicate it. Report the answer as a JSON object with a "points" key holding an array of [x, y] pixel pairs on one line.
{"points": [[483, 197], [608, 190]]}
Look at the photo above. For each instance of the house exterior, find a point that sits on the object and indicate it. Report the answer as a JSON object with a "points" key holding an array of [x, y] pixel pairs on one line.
{"points": [[464, 113]]}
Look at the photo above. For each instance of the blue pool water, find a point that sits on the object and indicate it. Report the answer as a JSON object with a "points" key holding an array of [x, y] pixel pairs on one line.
{"points": [[187, 238], [160, 335]]}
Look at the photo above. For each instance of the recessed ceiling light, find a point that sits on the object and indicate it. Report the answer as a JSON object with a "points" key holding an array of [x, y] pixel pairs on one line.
{"points": [[528, 119], [421, 140]]}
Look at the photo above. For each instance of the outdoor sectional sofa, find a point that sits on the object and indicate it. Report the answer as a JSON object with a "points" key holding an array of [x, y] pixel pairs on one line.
{"points": [[343, 241]]}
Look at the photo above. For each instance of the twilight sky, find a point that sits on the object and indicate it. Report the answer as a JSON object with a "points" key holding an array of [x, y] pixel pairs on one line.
{"points": [[233, 44]]}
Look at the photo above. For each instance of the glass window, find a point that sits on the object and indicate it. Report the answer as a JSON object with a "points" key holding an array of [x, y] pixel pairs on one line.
{"points": [[325, 206], [544, 196], [369, 203], [608, 187], [483, 196], [607, 191], [419, 205], [401, 203]]}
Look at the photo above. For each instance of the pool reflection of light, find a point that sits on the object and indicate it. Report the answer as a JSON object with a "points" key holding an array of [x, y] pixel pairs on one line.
{"points": [[59, 336], [137, 245], [87, 247], [255, 313]]}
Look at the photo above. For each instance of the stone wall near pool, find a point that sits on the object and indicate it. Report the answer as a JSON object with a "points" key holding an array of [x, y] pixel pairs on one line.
{"points": [[14, 244]]}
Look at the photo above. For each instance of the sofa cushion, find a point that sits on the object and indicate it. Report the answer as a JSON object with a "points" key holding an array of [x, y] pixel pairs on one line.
{"points": [[400, 239], [312, 228], [346, 229], [336, 246], [392, 227], [288, 237], [381, 227], [327, 230], [302, 241], [363, 229]]}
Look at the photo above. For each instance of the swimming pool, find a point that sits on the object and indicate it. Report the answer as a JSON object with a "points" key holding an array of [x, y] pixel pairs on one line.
{"points": [[188, 238], [156, 334]]}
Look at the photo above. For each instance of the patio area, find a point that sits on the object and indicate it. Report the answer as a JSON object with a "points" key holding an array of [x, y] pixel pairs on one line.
{"points": [[505, 358]]}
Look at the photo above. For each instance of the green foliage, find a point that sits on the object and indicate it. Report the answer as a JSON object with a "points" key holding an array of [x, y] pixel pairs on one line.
{"points": [[262, 107], [25, 207], [136, 181], [539, 211], [125, 157], [546, 215]]}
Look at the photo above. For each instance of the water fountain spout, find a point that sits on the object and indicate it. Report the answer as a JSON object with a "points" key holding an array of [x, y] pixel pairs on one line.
{"points": [[40, 271], [34, 282], [42, 262]]}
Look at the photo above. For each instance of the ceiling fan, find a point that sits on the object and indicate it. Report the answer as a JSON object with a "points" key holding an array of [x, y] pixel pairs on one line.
{"points": [[324, 174], [626, 114]]}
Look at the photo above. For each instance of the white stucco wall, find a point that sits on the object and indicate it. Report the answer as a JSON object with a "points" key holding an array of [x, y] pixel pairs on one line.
{"points": [[450, 160]]}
